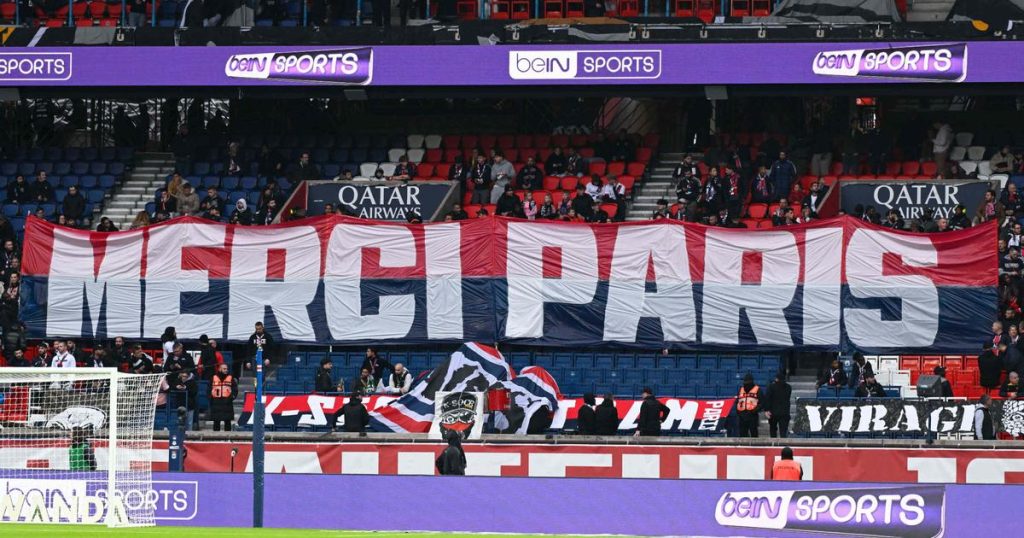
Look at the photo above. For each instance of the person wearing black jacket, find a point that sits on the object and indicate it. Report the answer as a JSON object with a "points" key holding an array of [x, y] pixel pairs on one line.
{"points": [[207, 358], [983, 429], [323, 381], [606, 417], [947, 390], [748, 405], [652, 414], [586, 419], [260, 339], [1013, 359], [990, 367], [355, 414], [179, 360], [73, 206], [18, 191], [480, 177], [776, 406], [861, 370], [530, 177], [509, 205], [183, 386], [1011, 388], [582, 204], [452, 460], [41, 191], [870, 388], [375, 364], [835, 376]]}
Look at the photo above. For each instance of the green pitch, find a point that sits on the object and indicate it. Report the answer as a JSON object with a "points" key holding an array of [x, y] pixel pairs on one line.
{"points": [[81, 531]]}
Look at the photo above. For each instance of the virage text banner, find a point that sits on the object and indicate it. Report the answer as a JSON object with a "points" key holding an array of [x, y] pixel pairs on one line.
{"points": [[836, 284]]}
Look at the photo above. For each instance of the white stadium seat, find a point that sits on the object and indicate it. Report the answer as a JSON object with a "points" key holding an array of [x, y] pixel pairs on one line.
{"points": [[976, 153], [414, 141], [969, 167], [416, 155], [964, 139], [432, 141], [396, 153], [958, 153], [388, 168], [368, 169]]}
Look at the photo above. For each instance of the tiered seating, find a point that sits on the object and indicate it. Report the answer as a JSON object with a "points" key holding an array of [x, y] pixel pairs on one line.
{"points": [[962, 374], [95, 171], [299, 370]]}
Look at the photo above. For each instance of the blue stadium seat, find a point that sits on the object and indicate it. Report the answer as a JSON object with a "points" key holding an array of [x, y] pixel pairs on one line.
{"points": [[27, 169], [645, 361], [436, 358], [339, 155], [109, 153], [90, 154], [728, 363], [707, 362], [115, 168], [604, 360], [315, 357], [416, 358], [97, 168], [247, 183], [35, 154], [284, 184], [53, 154], [107, 181], [45, 166], [150, 207], [688, 362], [88, 182], [11, 210], [633, 376], [125, 154], [545, 360], [9, 169], [62, 168], [201, 168], [563, 360], [95, 196], [296, 357], [750, 363], [230, 183], [80, 168], [675, 376]]}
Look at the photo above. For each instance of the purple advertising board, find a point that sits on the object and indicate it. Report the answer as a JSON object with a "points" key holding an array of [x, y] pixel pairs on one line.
{"points": [[588, 506], [445, 65]]}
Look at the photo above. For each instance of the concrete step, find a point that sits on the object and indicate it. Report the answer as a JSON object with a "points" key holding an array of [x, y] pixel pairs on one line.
{"points": [[139, 191]]}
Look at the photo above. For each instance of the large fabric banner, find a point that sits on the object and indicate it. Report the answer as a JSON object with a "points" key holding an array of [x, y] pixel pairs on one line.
{"points": [[837, 284], [911, 416]]}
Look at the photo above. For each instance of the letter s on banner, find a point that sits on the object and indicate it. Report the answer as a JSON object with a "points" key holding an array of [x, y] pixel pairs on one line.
{"points": [[919, 299], [528, 290]]}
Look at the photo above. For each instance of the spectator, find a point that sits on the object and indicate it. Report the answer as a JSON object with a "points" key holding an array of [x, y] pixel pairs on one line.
{"points": [[174, 185], [710, 201], [223, 389], [983, 428], [777, 401], [748, 404], [213, 200], [400, 380], [100, 359], [615, 192], [458, 172], [1003, 162], [661, 210], [806, 215], [547, 210], [783, 174], [375, 364], [593, 189], [529, 206], [141, 362], [1011, 200], [509, 205], [260, 339], [304, 170], [1012, 359], [622, 147], [582, 204], [947, 390], [183, 387], [1015, 238], [652, 414], [19, 360], [786, 468], [61, 357], [207, 358], [870, 388], [78, 354], [43, 356], [796, 195], [233, 165], [242, 214], [73, 206], [458, 213], [998, 335], [42, 191], [452, 460], [960, 220], [530, 176], [269, 162], [166, 205], [364, 385], [816, 196], [941, 142], [18, 191], [861, 370], [405, 170], [355, 415], [480, 177], [179, 360], [121, 353], [555, 165], [323, 382], [606, 417], [265, 217], [1011, 388], [141, 221], [941, 225], [586, 419], [503, 174], [688, 189], [927, 221], [835, 376], [598, 215], [106, 225], [779, 216], [573, 163], [893, 220], [686, 167]]}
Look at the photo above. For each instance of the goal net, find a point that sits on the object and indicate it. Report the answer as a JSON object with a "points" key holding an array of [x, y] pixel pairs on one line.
{"points": [[76, 446]]}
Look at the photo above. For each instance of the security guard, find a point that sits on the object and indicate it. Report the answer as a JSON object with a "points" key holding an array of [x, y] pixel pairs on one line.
{"points": [[748, 403], [787, 468]]}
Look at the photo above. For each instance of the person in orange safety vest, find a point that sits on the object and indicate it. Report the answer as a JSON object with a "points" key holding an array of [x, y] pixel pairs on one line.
{"points": [[748, 404], [787, 468]]}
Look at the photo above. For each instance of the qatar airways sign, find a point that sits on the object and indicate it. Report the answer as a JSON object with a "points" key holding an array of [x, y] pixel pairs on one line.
{"points": [[343, 66], [835, 284], [939, 63]]}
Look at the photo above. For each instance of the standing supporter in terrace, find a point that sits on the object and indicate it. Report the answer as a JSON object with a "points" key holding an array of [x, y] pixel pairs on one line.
{"points": [[18, 191], [983, 429], [304, 170], [260, 339], [223, 390], [941, 142], [990, 208], [242, 214], [947, 390], [710, 201], [480, 177], [615, 192], [893, 220], [815, 197], [783, 174], [269, 162], [960, 220], [861, 370], [731, 192], [606, 417], [207, 358], [458, 172], [573, 163], [323, 382], [503, 173], [777, 406], [748, 404], [233, 165], [555, 165], [375, 364], [73, 206], [452, 461], [1012, 359], [1011, 199], [42, 191], [179, 360], [530, 176], [61, 357], [998, 335], [43, 355], [652, 414], [354, 413], [688, 190], [586, 420]]}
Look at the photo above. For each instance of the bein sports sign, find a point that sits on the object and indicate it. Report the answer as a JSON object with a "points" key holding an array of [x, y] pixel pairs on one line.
{"points": [[902, 512], [939, 63], [584, 64], [833, 284], [343, 66]]}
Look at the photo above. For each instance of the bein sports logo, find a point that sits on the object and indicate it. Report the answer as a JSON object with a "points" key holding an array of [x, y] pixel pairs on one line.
{"points": [[903, 512], [584, 64], [937, 63], [347, 66]]}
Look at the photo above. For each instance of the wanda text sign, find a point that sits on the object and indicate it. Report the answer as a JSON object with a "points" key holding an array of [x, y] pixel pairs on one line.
{"points": [[911, 198]]}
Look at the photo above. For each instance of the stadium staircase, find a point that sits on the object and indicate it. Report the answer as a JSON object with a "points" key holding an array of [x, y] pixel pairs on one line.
{"points": [[929, 10], [149, 174], [658, 185]]}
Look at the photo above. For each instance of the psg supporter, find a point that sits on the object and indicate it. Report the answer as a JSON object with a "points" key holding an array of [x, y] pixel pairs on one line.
{"points": [[983, 428], [363, 385], [141, 362], [861, 370], [260, 339], [323, 381], [223, 388], [606, 417], [62, 358], [375, 364], [990, 367], [652, 414], [748, 404], [835, 376], [586, 418], [400, 380], [1011, 388], [355, 415], [776, 406], [870, 388], [452, 460]]}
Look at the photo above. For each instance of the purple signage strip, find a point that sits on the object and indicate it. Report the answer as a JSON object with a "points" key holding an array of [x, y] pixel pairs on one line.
{"points": [[445, 65], [589, 506]]}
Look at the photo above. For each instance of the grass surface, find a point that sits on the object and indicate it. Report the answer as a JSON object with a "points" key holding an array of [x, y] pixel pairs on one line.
{"points": [[52, 531]]}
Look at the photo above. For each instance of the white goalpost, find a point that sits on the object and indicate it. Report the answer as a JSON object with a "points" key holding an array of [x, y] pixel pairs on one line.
{"points": [[76, 446]]}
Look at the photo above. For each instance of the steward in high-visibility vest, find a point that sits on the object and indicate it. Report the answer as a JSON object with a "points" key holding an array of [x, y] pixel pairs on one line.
{"points": [[748, 403], [787, 468], [223, 389]]}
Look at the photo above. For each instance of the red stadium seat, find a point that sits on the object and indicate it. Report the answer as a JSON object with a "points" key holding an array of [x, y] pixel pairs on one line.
{"points": [[560, 140], [506, 142], [524, 141], [542, 141], [79, 8], [686, 8], [611, 209], [553, 9], [953, 362], [765, 223], [751, 224], [617, 168], [520, 9], [55, 23], [490, 208], [113, 10], [836, 169], [470, 142], [929, 363], [598, 167], [586, 153], [910, 362], [471, 210], [552, 183], [892, 169], [108, 22], [538, 197], [451, 154], [467, 10], [488, 142], [761, 8], [84, 23], [501, 9], [627, 181], [451, 141], [772, 208], [568, 183], [739, 8], [651, 140], [433, 155], [578, 140], [929, 170], [424, 170], [644, 154], [511, 154], [543, 154], [635, 169], [556, 197], [757, 211], [441, 170], [7, 10], [911, 168]]}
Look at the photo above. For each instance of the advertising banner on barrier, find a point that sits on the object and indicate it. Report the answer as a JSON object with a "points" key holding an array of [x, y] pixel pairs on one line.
{"points": [[836, 284], [317, 411], [765, 63], [575, 506], [907, 416], [910, 198], [391, 200]]}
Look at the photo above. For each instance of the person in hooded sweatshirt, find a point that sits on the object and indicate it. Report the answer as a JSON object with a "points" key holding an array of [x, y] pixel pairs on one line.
{"points": [[652, 414], [606, 417], [452, 460], [356, 416], [586, 419], [242, 213]]}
